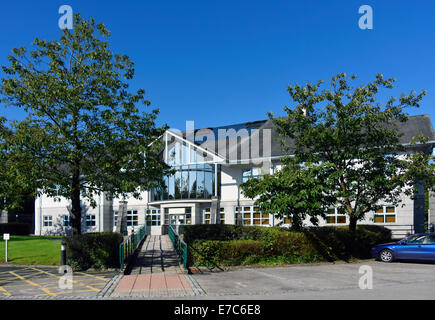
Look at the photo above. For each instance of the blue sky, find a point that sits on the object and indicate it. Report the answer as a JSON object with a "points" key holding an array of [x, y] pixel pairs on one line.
{"points": [[224, 62]]}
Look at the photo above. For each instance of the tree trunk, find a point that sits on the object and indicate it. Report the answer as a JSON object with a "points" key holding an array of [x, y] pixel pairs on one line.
{"points": [[76, 209], [352, 225], [296, 224]]}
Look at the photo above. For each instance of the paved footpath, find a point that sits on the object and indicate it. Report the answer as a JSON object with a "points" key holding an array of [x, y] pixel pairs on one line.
{"points": [[156, 272]]}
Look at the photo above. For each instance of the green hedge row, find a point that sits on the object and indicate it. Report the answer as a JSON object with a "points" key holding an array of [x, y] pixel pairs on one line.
{"points": [[236, 245], [15, 228], [93, 250]]}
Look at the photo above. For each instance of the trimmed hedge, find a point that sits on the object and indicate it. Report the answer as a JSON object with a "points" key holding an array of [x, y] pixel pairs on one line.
{"points": [[93, 250], [15, 228], [236, 245]]}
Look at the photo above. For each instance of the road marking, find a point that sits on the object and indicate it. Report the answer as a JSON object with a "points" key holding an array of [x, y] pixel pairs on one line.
{"points": [[32, 283], [5, 292], [90, 275]]}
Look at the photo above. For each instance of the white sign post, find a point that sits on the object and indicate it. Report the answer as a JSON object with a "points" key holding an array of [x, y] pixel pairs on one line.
{"points": [[6, 238]]}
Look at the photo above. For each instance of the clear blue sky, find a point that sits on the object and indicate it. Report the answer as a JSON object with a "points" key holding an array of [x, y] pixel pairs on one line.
{"points": [[223, 62]]}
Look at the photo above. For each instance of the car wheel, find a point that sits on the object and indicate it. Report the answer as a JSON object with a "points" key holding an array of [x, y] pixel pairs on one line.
{"points": [[386, 255]]}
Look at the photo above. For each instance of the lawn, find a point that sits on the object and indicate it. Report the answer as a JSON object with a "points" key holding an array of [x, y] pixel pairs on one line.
{"points": [[31, 250]]}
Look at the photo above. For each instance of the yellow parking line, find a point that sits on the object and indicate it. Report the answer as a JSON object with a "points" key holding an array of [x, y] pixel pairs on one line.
{"points": [[31, 283], [5, 292], [73, 281], [90, 275], [64, 292], [53, 275]]}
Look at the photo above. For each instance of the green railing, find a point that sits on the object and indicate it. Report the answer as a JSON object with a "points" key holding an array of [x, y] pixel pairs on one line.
{"points": [[179, 245], [129, 245]]}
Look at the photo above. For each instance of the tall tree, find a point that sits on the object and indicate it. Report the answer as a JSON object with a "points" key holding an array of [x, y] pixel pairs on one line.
{"points": [[85, 133], [354, 143]]}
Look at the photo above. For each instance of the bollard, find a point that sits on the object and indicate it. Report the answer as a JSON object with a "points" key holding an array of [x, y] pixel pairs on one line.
{"points": [[63, 254]]}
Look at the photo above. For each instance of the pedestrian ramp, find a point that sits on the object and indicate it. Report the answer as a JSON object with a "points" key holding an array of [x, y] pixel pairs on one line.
{"points": [[156, 271]]}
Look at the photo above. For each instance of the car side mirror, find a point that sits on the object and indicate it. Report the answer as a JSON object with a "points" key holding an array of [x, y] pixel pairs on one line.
{"points": [[402, 241]]}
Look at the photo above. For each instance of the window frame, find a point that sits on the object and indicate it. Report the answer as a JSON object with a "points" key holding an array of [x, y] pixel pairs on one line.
{"points": [[384, 214], [251, 175], [252, 214], [154, 217], [67, 220], [132, 213], [47, 220], [335, 215], [91, 220]]}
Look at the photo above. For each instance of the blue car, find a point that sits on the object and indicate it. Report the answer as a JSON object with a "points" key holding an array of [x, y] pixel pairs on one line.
{"points": [[419, 246]]}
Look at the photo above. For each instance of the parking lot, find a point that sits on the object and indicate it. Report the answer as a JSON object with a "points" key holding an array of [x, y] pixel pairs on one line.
{"points": [[48, 282], [399, 280]]}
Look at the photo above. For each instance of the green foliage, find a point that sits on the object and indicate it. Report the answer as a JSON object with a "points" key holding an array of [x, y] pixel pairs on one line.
{"points": [[345, 151], [18, 229], [237, 245], [292, 192], [85, 132], [93, 250]]}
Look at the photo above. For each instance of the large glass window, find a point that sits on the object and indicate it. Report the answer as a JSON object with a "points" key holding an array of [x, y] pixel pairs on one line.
{"points": [[188, 182], [386, 214]]}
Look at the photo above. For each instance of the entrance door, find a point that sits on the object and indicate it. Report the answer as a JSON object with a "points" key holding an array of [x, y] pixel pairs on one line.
{"points": [[177, 219]]}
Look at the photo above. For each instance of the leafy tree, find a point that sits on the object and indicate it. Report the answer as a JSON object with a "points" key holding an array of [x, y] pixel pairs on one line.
{"points": [[85, 133], [292, 192], [353, 142], [15, 193]]}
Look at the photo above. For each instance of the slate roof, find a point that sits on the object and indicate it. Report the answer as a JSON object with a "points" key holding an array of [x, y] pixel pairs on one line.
{"points": [[244, 134]]}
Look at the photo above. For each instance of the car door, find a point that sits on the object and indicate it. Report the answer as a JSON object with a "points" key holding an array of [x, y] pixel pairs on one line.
{"points": [[412, 249], [429, 248]]}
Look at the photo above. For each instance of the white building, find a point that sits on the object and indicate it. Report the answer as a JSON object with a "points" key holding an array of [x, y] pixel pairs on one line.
{"points": [[210, 165]]}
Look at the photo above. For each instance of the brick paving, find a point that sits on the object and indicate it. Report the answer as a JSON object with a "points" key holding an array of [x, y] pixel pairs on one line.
{"points": [[156, 272]]}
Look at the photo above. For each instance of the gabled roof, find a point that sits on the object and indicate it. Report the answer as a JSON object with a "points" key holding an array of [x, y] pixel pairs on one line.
{"points": [[243, 136]]}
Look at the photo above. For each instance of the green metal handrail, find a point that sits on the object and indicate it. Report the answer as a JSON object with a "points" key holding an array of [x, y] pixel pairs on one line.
{"points": [[129, 245], [179, 245]]}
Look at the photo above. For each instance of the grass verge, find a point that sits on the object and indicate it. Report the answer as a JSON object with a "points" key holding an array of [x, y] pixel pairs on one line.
{"points": [[32, 250]]}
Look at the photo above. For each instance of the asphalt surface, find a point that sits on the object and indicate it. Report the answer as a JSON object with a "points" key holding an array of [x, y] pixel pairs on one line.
{"points": [[399, 280], [35, 282], [338, 281]]}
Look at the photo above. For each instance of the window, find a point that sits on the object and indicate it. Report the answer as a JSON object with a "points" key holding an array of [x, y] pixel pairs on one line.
{"points": [[251, 215], [152, 217], [206, 216], [417, 239], [90, 220], [385, 214], [166, 216], [429, 240], [221, 216], [115, 217], [48, 221], [334, 217], [195, 181], [287, 221], [132, 218], [66, 221], [250, 174]]}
